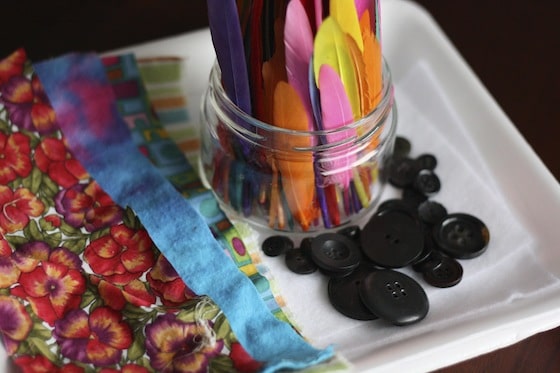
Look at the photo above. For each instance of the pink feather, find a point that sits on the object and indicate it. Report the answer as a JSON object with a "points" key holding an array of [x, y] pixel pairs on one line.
{"points": [[362, 6], [298, 43], [318, 13], [336, 112]]}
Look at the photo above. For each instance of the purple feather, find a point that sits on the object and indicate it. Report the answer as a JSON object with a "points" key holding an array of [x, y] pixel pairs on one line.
{"points": [[228, 44], [315, 98]]}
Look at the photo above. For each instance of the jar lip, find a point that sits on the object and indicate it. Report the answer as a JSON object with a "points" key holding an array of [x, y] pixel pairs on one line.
{"points": [[381, 110]]}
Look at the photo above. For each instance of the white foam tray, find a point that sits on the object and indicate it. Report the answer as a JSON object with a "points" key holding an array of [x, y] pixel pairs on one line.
{"points": [[512, 169]]}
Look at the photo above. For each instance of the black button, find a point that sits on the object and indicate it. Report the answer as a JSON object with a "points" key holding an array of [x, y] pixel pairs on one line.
{"points": [[352, 232], [427, 261], [305, 246], [402, 172], [431, 212], [413, 197], [461, 236], [335, 253], [344, 296], [394, 297], [402, 147], [392, 239], [427, 182], [448, 273], [277, 245], [426, 162], [298, 262], [394, 204]]}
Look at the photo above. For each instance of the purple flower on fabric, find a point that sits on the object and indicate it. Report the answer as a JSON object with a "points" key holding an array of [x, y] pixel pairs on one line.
{"points": [[98, 338], [177, 346], [15, 323], [87, 206], [27, 104]]}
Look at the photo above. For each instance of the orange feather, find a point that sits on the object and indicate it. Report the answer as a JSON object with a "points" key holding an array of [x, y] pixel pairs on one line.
{"points": [[298, 180], [373, 63]]}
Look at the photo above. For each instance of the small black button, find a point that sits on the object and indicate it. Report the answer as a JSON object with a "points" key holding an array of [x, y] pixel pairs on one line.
{"points": [[335, 253], [448, 273], [298, 262], [413, 197], [427, 182], [426, 162], [402, 147], [431, 212], [461, 236], [305, 246], [344, 296], [402, 172], [392, 239], [394, 297], [276, 245], [427, 261]]}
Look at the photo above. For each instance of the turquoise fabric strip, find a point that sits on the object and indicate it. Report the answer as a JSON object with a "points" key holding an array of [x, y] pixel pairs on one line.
{"points": [[84, 103]]}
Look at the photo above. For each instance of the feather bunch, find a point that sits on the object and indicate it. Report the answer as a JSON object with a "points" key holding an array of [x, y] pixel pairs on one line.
{"points": [[303, 65]]}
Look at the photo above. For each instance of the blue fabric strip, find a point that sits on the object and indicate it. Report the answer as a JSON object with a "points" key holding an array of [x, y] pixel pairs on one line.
{"points": [[86, 112]]}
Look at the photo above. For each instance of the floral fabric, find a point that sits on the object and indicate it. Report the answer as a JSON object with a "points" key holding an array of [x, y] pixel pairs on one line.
{"points": [[82, 286]]}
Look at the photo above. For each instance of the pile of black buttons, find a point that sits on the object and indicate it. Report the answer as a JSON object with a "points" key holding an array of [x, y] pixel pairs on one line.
{"points": [[412, 231]]}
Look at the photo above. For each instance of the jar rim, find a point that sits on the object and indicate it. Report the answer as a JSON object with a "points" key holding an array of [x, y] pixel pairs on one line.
{"points": [[376, 115]]}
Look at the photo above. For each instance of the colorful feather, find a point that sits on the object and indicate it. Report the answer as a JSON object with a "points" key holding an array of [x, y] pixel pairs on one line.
{"points": [[359, 70], [373, 64], [228, 44], [363, 5], [296, 169], [254, 55], [330, 48], [298, 44], [336, 112], [346, 16], [273, 71], [318, 13]]}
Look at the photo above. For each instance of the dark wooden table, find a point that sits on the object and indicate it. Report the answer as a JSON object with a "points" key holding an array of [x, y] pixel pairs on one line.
{"points": [[512, 47]]}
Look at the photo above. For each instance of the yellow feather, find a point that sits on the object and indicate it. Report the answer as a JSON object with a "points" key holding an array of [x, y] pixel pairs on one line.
{"points": [[331, 48], [346, 15]]}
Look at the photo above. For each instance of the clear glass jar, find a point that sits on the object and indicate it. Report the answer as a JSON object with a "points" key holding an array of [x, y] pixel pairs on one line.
{"points": [[294, 181]]}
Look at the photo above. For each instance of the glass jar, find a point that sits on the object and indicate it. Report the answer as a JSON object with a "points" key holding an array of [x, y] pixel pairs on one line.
{"points": [[294, 181]]}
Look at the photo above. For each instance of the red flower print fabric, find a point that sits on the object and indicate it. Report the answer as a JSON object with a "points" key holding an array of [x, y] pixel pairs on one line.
{"points": [[82, 286]]}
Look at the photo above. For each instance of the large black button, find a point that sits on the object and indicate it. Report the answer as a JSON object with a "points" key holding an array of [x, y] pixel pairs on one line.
{"points": [[335, 253], [448, 273], [392, 238], [461, 236], [298, 262], [394, 204], [276, 245], [344, 295], [394, 297]]}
